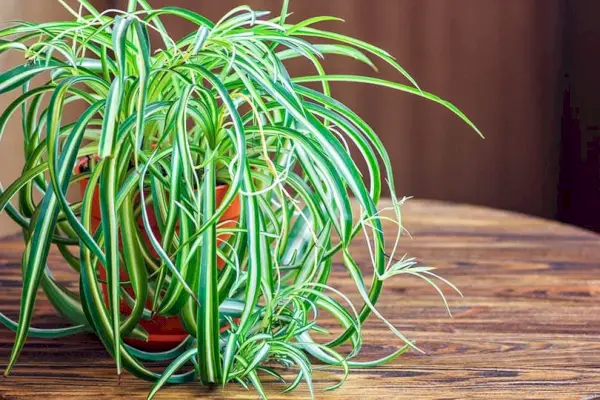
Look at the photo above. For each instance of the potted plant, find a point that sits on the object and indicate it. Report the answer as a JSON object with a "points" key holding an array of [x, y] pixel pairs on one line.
{"points": [[213, 187]]}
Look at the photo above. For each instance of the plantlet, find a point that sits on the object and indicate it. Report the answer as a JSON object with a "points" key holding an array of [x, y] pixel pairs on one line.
{"points": [[165, 129]]}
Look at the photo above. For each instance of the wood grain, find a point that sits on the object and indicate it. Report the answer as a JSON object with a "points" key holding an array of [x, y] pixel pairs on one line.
{"points": [[527, 328]]}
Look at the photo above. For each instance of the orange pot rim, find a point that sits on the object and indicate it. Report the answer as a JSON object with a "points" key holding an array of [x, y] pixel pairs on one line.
{"points": [[83, 161]]}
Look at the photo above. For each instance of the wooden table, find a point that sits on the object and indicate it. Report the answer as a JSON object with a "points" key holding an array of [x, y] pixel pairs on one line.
{"points": [[527, 328]]}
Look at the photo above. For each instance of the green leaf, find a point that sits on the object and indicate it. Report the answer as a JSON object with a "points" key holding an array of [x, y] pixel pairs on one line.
{"points": [[53, 333], [17, 76], [171, 369], [110, 123], [392, 85], [109, 223], [208, 311]]}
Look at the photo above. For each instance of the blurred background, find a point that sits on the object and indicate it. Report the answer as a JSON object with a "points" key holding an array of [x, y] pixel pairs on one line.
{"points": [[525, 72]]}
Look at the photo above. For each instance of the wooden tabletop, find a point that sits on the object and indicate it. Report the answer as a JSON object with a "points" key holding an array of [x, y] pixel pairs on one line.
{"points": [[527, 328]]}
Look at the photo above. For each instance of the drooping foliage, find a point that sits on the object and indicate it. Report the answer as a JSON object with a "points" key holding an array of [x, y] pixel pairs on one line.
{"points": [[164, 123]]}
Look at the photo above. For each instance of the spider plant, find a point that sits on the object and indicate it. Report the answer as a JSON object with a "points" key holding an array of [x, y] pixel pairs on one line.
{"points": [[165, 124]]}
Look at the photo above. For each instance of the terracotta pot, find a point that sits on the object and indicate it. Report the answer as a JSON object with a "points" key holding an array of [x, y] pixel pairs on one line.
{"points": [[165, 332]]}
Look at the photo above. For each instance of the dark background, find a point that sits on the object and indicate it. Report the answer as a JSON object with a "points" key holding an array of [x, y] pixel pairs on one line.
{"points": [[525, 71]]}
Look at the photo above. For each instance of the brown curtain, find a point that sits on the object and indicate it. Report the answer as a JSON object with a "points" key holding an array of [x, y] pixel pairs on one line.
{"points": [[579, 190], [500, 61], [497, 60]]}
